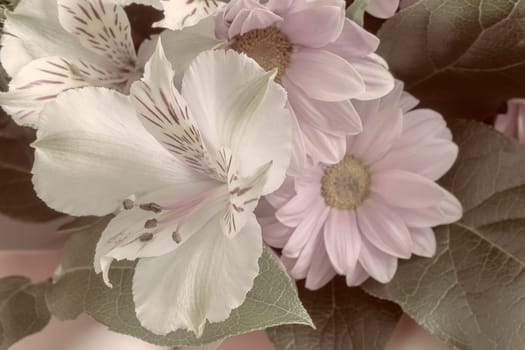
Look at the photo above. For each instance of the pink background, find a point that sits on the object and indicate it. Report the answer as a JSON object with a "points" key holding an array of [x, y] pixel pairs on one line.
{"points": [[31, 250]]}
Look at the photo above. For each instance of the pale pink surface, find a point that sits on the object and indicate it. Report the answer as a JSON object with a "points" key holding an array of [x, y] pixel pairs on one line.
{"points": [[404, 152], [512, 123], [76, 335], [332, 62]]}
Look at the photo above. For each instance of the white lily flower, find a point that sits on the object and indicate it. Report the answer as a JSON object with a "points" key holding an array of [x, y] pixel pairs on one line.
{"points": [[186, 169], [54, 45]]}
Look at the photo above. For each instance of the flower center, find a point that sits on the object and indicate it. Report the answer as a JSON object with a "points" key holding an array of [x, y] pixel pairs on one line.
{"points": [[345, 185], [269, 47]]}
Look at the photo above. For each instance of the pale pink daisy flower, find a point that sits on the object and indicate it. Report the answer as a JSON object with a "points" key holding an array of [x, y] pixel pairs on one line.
{"points": [[386, 8], [512, 122], [323, 59], [376, 205]]}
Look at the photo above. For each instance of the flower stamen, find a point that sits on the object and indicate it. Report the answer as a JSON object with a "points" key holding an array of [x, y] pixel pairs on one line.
{"points": [[152, 223], [146, 237], [269, 47], [128, 204], [154, 207], [345, 185], [177, 238]]}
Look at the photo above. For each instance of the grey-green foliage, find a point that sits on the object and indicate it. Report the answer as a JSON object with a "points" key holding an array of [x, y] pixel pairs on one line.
{"points": [[471, 294], [356, 11], [23, 309], [464, 58], [273, 300], [345, 319]]}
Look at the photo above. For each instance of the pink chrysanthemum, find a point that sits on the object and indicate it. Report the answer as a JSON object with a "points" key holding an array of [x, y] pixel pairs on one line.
{"points": [[512, 123], [377, 204], [324, 60]]}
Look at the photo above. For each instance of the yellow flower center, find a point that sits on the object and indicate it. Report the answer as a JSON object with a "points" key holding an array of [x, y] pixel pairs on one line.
{"points": [[345, 185], [269, 47]]}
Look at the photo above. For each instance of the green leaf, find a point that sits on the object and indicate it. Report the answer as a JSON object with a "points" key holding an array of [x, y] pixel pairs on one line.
{"points": [[273, 300], [463, 58], [345, 319], [23, 309], [17, 196], [471, 293], [356, 11]]}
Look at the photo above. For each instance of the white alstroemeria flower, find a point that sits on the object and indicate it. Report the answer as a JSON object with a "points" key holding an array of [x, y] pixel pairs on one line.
{"points": [[54, 45], [179, 14], [186, 171]]}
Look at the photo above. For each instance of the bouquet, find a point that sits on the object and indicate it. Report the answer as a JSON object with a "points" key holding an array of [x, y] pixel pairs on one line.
{"points": [[312, 168]]}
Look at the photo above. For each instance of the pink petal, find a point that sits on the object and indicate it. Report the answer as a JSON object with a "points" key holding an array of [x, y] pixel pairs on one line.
{"points": [[505, 124], [315, 26], [424, 242], [321, 271], [378, 80], [342, 240], [447, 211], [378, 264], [408, 102], [279, 7], [324, 76], [280, 197], [307, 254], [431, 159], [402, 189], [323, 147], [337, 118], [421, 124], [274, 233], [384, 124], [382, 8], [298, 160], [384, 229], [310, 226], [238, 23], [357, 276], [259, 18], [293, 213], [353, 42]]}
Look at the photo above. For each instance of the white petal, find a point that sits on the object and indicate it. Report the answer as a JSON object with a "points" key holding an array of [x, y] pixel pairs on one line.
{"points": [[244, 197], [102, 27], [92, 152], [137, 233], [179, 14], [182, 46], [43, 79], [35, 84], [204, 281], [166, 115], [35, 32], [236, 107]]}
